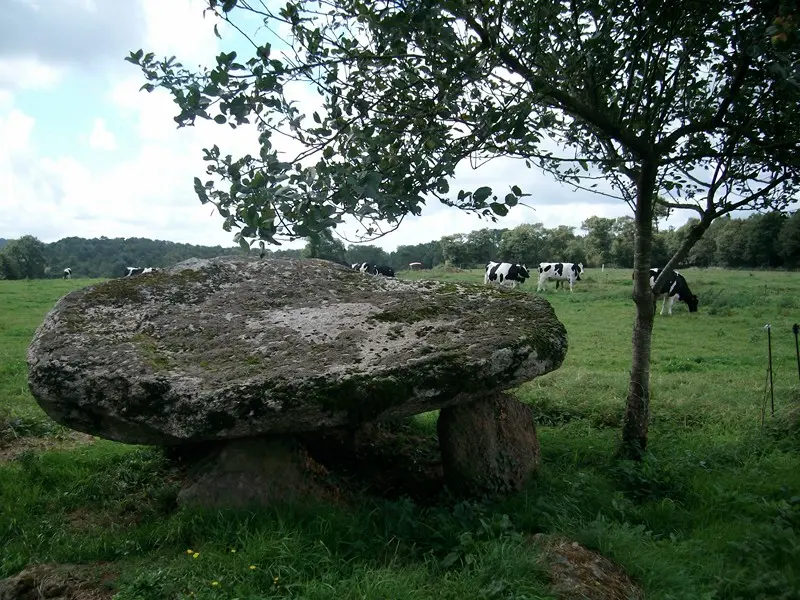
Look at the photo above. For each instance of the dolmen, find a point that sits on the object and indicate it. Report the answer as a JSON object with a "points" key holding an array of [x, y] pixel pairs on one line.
{"points": [[247, 355]]}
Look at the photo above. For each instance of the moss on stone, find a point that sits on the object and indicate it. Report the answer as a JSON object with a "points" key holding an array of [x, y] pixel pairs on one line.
{"points": [[130, 288], [150, 353], [408, 315]]}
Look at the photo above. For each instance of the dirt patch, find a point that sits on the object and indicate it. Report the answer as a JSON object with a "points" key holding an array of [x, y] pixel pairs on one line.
{"points": [[578, 573], [60, 582], [11, 449]]}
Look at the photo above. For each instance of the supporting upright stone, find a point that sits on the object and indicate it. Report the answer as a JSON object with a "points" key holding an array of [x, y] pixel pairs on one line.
{"points": [[256, 472], [488, 446]]}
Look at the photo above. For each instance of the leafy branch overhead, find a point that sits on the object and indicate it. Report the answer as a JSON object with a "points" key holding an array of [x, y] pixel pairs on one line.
{"points": [[707, 91]]}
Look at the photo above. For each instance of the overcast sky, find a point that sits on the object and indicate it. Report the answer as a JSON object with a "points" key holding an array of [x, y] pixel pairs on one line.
{"points": [[84, 153]]}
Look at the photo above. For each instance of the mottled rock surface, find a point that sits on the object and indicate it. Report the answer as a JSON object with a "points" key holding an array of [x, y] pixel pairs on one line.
{"points": [[235, 347], [489, 447]]}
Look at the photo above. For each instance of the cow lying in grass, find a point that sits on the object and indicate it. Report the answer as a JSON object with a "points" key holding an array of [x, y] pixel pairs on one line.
{"points": [[371, 269], [132, 271]]}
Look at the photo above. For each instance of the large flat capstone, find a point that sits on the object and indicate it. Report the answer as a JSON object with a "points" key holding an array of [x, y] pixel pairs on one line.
{"points": [[237, 347]]}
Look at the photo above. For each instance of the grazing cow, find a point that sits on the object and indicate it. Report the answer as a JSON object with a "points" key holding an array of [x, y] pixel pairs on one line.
{"points": [[570, 272], [67, 273], [355, 266], [385, 271], [503, 273], [674, 287]]}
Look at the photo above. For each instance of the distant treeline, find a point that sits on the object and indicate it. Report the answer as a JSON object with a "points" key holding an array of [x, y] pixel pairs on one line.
{"points": [[766, 240], [27, 257]]}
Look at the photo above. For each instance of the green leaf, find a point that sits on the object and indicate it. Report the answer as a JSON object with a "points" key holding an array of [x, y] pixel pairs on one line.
{"points": [[499, 209], [327, 153], [244, 244], [449, 560], [220, 119], [482, 193], [516, 190], [511, 200]]}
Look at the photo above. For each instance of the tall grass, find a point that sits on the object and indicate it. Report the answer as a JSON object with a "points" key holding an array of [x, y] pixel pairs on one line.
{"points": [[712, 512]]}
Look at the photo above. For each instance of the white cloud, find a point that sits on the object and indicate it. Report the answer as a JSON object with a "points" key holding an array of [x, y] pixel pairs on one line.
{"points": [[145, 187], [15, 133], [28, 74], [179, 28], [101, 138]]}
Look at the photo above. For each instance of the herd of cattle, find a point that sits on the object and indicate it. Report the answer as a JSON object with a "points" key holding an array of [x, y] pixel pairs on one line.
{"points": [[129, 271], [513, 274]]}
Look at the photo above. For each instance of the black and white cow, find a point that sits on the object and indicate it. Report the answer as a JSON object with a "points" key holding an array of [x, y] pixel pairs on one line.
{"points": [[674, 287], [384, 270], [355, 266], [510, 274], [131, 271], [367, 268], [570, 272], [67, 273]]}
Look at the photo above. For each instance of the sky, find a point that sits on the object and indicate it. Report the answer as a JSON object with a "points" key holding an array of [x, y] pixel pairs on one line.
{"points": [[84, 153]]}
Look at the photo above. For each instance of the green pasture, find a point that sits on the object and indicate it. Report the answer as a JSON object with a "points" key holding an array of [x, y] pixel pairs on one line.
{"points": [[713, 512]]}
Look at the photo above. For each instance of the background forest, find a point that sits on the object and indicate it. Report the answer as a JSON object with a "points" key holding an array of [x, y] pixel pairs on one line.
{"points": [[764, 240]]}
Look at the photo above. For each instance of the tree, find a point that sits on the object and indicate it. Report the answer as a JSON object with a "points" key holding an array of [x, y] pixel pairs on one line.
{"points": [[762, 239], [695, 101], [23, 259], [731, 243], [526, 244], [324, 246], [366, 253], [454, 250], [429, 254], [561, 242], [789, 242], [599, 236], [483, 245], [624, 232]]}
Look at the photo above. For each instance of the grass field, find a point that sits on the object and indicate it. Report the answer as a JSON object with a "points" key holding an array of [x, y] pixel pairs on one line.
{"points": [[713, 512]]}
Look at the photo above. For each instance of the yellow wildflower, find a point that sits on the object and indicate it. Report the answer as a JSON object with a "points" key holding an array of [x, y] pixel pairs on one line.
{"points": [[195, 555], [233, 550], [215, 583], [190, 551], [252, 567]]}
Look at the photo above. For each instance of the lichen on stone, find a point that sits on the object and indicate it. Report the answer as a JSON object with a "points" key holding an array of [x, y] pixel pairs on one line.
{"points": [[247, 347]]}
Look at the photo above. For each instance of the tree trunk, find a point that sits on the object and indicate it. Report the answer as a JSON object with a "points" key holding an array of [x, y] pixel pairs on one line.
{"points": [[637, 409], [695, 233]]}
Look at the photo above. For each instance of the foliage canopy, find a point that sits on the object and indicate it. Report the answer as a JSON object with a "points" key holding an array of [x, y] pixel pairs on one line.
{"points": [[704, 90]]}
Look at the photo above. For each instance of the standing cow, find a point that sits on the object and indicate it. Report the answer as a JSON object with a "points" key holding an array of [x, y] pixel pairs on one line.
{"points": [[674, 287], [570, 272], [509, 274], [67, 273]]}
